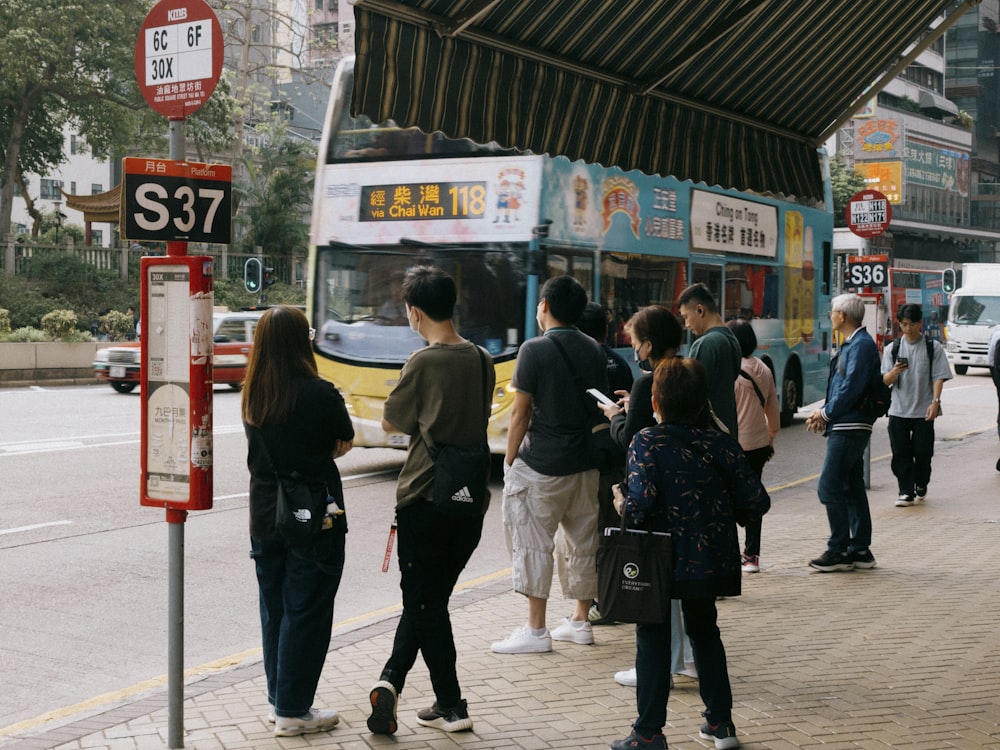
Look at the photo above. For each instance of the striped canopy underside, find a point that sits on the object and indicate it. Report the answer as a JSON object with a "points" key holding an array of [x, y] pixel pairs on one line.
{"points": [[735, 93]]}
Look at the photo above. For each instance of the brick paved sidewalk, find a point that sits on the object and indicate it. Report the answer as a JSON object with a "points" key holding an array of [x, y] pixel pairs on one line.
{"points": [[903, 656]]}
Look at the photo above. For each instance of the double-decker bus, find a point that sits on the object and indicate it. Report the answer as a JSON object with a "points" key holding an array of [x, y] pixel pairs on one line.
{"points": [[501, 222]]}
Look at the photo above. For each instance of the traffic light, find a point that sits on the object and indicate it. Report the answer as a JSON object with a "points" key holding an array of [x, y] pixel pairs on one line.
{"points": [[269, 277], [948, 280], [252, 275]]}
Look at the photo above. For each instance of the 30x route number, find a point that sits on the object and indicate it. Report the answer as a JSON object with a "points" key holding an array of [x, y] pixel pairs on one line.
{"points": [[867, 274]]}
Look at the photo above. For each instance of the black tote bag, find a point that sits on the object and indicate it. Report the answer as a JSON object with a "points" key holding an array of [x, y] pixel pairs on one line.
{"points": [[634, 573]]}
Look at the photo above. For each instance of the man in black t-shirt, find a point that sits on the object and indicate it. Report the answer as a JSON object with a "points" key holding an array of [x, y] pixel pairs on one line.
{"points": [[550, 481]]}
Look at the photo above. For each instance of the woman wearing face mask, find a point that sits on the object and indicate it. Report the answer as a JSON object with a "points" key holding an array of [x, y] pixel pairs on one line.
{"points": [[656, 335]]}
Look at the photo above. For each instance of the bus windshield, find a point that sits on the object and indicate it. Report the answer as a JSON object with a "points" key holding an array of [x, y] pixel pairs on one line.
{"points": [[359, 311], [358, 139]]}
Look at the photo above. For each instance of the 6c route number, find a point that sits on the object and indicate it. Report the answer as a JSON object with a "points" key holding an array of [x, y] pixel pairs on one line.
{"points": [[149, 197]]}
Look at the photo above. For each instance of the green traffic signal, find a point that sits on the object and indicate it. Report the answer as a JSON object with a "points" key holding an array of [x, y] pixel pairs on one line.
{"points": [[253, 275], [948, 280]]}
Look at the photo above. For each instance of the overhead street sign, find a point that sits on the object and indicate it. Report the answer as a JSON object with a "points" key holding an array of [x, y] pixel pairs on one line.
{"points": [[178, 56], [176, 201], [868, 213]]}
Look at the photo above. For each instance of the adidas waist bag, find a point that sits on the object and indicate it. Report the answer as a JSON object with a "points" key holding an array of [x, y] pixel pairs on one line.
{"points": [[461, 479]]}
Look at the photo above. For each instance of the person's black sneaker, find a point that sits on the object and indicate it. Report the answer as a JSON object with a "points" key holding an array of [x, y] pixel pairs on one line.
{"points": [[904, 500], [863, 558], [829, 562], [723, 733], [455, 719], [383, 700], [635, 741]]}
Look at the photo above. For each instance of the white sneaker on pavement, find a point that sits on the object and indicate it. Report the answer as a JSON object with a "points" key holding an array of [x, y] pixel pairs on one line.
{"points": [[574, 632], [314, 720], [626, 677], [523, 641]]}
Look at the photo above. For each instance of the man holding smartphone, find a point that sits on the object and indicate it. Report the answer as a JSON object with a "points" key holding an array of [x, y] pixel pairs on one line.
{"points": [[915, 368]]}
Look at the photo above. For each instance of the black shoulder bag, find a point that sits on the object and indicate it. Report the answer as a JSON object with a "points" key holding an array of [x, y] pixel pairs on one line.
{"points": [[462, 474], [604, 452], [302, 505]]}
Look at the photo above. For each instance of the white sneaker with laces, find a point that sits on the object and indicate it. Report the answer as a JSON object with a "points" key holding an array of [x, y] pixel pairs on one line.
{"points": [[574, 632], [314, 720], [626, 677], [523, 641], [904, 501]]}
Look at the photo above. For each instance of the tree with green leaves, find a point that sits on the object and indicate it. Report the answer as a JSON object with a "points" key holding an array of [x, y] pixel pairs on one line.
{"points": [[844, 183], [273, 202], [63, 61]]}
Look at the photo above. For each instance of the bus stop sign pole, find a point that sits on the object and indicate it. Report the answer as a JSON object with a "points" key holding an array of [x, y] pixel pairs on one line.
{"points": [[178, 61]]}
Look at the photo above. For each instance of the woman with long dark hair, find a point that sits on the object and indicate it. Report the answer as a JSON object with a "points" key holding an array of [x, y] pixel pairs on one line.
{"points": [[295, 422]]}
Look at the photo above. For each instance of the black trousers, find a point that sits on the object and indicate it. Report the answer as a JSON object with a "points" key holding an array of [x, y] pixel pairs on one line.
{"points": [[652, 666], [433, 551], [912, 442]]}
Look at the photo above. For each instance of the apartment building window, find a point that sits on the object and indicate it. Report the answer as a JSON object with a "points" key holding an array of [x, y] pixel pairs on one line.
{"points": [[76, 144], [49, 190], [72, 188], [319, 4], [96, 188], [97, 237]]}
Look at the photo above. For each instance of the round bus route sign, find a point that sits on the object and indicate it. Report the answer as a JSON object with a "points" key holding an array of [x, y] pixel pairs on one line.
{"points": [[868, 213], [178, 56]]}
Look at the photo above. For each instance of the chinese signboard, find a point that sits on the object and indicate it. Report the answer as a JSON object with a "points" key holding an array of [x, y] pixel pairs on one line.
{"points": [[884, 176], [427, 200]]}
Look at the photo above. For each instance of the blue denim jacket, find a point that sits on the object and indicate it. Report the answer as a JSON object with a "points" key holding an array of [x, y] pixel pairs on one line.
{"points": [[853, 369]]}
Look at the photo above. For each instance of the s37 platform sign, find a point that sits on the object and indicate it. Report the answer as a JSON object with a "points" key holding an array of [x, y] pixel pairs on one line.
{"points": [[176, 201]]}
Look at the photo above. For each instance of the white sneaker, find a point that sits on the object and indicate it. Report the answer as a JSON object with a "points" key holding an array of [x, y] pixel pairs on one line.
{"points": [[575, 632], [314, 720], [626, 678], [904, 501], [523, 641]]}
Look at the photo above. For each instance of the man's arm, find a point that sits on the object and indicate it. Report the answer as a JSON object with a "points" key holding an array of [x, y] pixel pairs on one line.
{"points": [[520, 418]]}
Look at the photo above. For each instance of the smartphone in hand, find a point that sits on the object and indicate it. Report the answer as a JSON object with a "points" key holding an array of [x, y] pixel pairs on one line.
{"points": [[905, 362], [601, 397]]}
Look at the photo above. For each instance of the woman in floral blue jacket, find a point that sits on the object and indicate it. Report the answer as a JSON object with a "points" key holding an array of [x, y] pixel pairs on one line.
{"points": [[694, 482]]}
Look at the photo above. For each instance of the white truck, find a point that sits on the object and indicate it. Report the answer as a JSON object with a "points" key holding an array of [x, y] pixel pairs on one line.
{"points": [[973, 314]]}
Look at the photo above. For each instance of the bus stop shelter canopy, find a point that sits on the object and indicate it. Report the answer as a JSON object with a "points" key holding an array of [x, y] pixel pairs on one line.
{"points": [[735, 93]]}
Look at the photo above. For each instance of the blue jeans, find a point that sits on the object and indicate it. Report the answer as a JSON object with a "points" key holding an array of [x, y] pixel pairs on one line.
{"points": [[912, 442], [842, 491], [652, 667], [433, 551], [297, 585]]}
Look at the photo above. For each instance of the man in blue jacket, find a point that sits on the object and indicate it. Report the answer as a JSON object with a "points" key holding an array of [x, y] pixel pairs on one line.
{"points": [[853, 370]]}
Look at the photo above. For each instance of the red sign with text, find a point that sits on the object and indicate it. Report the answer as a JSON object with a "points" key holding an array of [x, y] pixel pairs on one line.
{"points": [[178, 56]]}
